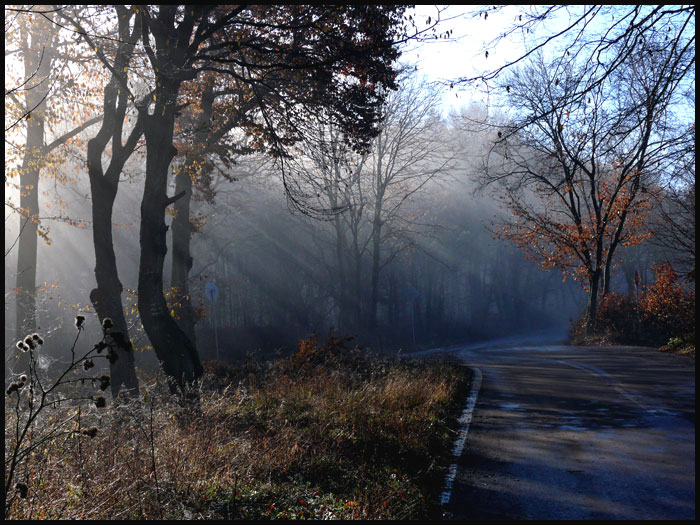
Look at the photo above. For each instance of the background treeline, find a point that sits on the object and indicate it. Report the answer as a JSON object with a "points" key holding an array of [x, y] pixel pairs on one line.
{"points": [[280, 275], [321, 224]]}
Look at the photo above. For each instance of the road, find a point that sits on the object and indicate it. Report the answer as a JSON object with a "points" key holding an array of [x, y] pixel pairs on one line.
{"points": [[563, 432]]}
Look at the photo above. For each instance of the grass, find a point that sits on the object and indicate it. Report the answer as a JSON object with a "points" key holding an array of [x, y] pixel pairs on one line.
{"points": [[681, 345], [325, 433], [620, 325]]}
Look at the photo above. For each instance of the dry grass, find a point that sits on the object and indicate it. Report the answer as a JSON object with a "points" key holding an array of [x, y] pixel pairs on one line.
{"points": [[688, 351], [326, 433]]}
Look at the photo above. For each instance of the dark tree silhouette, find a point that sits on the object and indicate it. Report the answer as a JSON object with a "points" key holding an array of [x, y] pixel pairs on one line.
{"points": [[295, 61]]}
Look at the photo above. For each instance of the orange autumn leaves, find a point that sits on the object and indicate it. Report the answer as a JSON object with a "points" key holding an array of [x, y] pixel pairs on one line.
{"points": [[667, 301], [575, 227]]}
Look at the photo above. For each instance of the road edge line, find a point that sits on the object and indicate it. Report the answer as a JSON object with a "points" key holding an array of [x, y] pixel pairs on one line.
{"points": [[464, 421]]}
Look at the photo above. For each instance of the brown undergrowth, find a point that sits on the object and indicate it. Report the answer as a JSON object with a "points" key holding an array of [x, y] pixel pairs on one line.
{"points": [[325, 433], [660, 315]]}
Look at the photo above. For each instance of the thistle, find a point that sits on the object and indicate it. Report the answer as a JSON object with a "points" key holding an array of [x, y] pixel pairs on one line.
{"points": [[22, 489], [104, 382], [91, 432]]}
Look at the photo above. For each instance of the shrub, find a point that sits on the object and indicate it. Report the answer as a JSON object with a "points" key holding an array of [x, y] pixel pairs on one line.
{"points": [[667, 308], [664, 313], [325, 433], [618, 318]]}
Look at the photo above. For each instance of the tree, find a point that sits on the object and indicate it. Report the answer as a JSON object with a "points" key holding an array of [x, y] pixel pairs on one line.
{"points": [[106, 297], [407, 154], [40, 105], [601, 38], [577, 174], [674, 227], [604, 40], [330, 177], [205, 146], [36, 48], [366, 197], [295, 61]]}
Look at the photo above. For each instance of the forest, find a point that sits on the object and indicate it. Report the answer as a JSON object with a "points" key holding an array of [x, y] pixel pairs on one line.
{"points": [[205, 189]]}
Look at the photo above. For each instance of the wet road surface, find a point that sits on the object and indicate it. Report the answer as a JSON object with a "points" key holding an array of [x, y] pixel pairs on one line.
{"points": [[561, 432]]}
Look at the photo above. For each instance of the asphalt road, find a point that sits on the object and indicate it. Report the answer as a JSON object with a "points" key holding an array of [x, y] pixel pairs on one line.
{"points": [[562, 432]]}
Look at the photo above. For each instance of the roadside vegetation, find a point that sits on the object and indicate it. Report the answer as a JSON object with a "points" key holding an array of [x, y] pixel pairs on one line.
{"points": [[661, 314], [328, 432]]}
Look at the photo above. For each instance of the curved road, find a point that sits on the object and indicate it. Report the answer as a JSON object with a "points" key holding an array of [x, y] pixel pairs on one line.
{"points": [[562, 432]]}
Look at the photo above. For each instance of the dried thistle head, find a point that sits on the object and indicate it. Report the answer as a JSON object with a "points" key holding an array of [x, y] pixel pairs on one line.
{"points": [[104, 382], [107, 324], [88, 364], [22, 489], [79, 320], [91, 432]]}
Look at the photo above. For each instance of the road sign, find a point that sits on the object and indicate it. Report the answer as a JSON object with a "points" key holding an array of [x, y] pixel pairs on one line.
{"points": [[211, 291]]}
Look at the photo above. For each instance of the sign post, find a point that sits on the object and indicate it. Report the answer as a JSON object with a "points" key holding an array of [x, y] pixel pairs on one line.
{"points": [[211, 292], [413, 295]]}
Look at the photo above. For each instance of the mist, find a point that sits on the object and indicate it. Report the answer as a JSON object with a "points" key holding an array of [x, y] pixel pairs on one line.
{"points": [[280, 275], [389, 237], [339, 261]]}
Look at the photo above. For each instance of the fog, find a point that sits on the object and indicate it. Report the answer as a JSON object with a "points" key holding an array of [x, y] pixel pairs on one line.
{"points": [[280, 275], [391, 239]]}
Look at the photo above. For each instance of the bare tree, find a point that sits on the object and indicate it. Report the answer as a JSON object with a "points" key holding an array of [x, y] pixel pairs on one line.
{"points": [[601, 38], [576, 173], [674, 229], [409, 153], [328, 175], [369, 199], [38, 106]]}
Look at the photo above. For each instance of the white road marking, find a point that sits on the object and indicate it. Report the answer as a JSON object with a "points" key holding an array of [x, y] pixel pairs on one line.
{"points": [[635, 398], [464, 422]]}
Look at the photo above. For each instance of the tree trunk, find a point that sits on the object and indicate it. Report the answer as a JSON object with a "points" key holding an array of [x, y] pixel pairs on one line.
{"points": [[173, 348], [37, 44], [182, 227], [182, 260], [607, 276], [376, 247], [343, 303], [27, 245], [592, 307], [106, 298], [380, 188]]}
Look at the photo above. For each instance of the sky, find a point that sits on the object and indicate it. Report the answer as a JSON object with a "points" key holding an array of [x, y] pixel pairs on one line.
{"points": [[464, 53]]}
